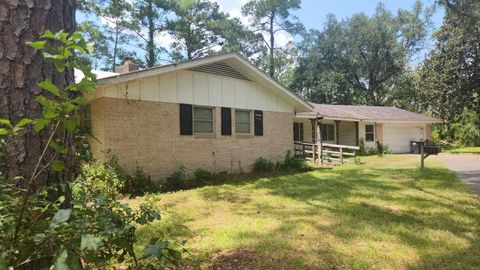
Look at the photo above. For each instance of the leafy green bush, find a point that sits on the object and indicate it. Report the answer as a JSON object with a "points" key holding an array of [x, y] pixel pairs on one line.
{"points": [[177, 181], [292, 163], [204, 175], [263, 165], [45, 225], [99, 178], [139, 183], [361, 144], [467, 129]]}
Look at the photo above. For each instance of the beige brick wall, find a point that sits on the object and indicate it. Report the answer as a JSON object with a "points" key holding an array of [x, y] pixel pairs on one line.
{"points": [[147, 133]]}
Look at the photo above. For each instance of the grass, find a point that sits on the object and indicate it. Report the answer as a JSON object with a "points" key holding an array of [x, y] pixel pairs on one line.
{"points": [[384, 214], [471, 150]]}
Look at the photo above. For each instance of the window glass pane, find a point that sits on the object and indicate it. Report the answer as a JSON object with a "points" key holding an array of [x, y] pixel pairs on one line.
{"points": [[327, 132], [242, 116], [201, 126], [369, 137], [241, 127], [202, 113], [368, 128]]}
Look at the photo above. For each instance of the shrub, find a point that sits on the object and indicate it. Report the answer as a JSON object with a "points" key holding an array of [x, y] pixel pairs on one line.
{"points": [[176, 181], [263, 165], [139, 183], [99, 178], [293, 164], [467, 129], [361, 145], [203, 175]]}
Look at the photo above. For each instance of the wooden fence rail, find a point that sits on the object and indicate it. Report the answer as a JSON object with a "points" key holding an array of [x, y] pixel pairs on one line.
{"points": [[324, 152]]}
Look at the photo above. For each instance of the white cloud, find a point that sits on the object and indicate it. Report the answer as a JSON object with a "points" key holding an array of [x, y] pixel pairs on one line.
{"points": [[164, 39]]}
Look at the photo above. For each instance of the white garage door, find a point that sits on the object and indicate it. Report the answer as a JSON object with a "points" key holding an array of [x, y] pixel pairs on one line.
{"points": [[398, 137]]}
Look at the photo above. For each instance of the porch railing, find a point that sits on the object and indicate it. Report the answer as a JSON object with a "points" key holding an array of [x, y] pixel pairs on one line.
{"points": [[324, 152]]}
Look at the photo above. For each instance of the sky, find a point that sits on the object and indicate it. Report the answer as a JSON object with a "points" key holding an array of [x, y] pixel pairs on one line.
{"points": [[313, 14]]}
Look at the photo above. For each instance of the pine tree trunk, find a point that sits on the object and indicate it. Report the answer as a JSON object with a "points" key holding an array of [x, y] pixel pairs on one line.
{"points": [[22, 68], [272, 47], [151, 37]]}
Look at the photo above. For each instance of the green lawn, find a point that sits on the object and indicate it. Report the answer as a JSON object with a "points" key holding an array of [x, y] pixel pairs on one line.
{"points": [[472, 150], [384, 214]]}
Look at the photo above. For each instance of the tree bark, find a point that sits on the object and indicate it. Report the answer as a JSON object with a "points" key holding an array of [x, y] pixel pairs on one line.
{"points": [[151, 37], [272, 47], [21, 69]]}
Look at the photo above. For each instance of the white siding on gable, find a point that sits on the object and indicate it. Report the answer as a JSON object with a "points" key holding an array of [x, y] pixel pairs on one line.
{"points": [[110, 91], [168, 87], [228, 93], [240, 97], [185, 86], [130, 89], [150, 89], [272, 102], [198, 88], [251, 95], [215, 91], [262, 97]]}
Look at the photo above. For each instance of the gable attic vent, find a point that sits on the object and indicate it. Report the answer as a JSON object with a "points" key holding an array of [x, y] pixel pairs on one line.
{"points": [[221, 68]]}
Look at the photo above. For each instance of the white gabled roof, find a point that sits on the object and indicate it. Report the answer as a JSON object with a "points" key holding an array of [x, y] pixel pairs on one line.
{"points": [[234, 60]]}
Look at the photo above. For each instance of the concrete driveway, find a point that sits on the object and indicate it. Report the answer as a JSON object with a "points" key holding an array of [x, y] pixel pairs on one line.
{"points": [[467, 167]]}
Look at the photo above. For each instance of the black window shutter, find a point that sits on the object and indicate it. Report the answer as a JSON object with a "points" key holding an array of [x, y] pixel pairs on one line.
{"points": [[186, 119], [258, 122], [226, 121]]}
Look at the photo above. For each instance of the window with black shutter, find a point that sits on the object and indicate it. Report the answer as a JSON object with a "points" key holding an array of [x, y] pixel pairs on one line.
{"points": [[186, 119], [298, 132], [258, 122], [226, 115]]}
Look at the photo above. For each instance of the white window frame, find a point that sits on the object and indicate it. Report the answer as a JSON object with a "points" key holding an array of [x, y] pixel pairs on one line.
{"points": [[373, 132], [249, 122], [203, 120]]}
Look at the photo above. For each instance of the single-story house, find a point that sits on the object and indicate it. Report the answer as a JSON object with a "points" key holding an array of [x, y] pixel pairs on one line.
{"points": [[221, 113], [218, 113], [349, 125]]}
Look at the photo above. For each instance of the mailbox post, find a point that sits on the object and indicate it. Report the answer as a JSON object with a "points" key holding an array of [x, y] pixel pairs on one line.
{"points": [[426, 151]]}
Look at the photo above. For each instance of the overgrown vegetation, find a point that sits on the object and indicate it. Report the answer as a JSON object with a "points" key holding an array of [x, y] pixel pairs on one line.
{"points": [[46, 226], [177, 181], [290, 163]]}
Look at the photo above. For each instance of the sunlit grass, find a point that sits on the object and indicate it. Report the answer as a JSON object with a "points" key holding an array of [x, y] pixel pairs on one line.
{"points": [[472, 150], [384, 214]]}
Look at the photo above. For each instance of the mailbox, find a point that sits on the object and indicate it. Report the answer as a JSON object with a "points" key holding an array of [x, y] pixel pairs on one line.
{"points": [[432, 150]]}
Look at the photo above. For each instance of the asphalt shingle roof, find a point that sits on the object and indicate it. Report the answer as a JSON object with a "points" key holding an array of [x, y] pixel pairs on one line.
{"points": [[374, 113]]}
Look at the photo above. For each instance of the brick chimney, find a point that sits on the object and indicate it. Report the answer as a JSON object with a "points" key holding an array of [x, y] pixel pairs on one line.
{"points": [[128, 66]]}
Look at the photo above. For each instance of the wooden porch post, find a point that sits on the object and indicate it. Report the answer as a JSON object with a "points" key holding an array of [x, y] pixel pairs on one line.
{"points": [[356, 133], [337, 131]]}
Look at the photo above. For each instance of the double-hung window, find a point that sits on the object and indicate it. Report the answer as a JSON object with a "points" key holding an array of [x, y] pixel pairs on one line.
{"points": [[298, 132], [203, 120], [369, 133], [328, 132], [242, 122]]}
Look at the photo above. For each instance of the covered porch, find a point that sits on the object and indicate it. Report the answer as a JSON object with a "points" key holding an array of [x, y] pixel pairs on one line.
{"points": [[318, 137]]}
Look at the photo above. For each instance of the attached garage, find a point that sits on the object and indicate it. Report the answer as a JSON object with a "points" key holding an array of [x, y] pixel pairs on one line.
{"points": [[397, 137], [356, 125]]}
